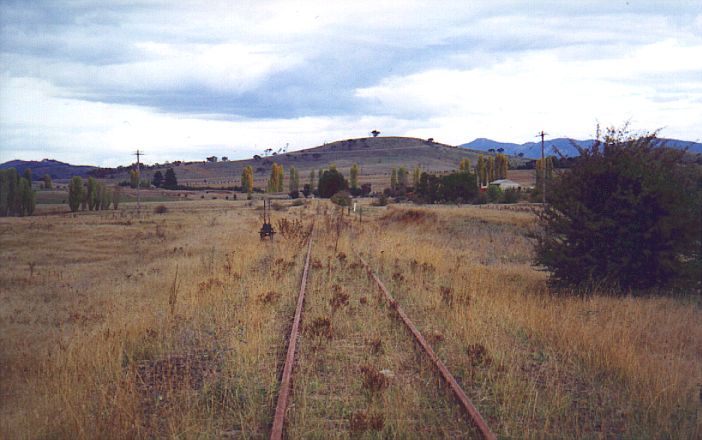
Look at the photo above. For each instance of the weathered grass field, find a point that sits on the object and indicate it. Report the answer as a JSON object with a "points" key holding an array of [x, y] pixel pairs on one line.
{"points": [[119, 325]]}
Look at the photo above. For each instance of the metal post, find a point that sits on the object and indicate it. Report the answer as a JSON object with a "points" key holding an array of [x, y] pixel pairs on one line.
{"points": [[543, 169]]}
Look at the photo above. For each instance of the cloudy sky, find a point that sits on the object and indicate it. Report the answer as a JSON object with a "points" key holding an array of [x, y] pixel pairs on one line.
{"points": [[90, 82]]}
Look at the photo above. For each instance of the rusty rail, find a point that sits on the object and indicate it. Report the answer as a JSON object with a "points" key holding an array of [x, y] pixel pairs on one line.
{"points": [[285, 383], [445, 373]]}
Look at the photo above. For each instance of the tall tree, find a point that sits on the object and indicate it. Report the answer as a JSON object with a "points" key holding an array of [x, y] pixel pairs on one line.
{"points": [[501, 166], [416, 175], [133, 178], [157, 180], [393, 180], [28, 175], [75, 193], [247, 181], [27, 197], [491, 169], [464, 165], [48, 184], [91, 194], [116, 196], [170, 181], [294, 180], [402, 179], [353, 176], [482, 171]]}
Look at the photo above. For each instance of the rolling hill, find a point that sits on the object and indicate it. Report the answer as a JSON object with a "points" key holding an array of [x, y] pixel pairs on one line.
{"points": [[54, 168], [562, 145], [377, 156]]}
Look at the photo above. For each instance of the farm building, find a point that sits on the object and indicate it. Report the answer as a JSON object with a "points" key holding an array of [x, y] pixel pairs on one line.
{"points": [[506, 184]]}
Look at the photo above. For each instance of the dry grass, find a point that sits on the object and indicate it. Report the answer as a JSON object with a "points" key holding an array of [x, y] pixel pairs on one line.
{"points": [[117, 325]]}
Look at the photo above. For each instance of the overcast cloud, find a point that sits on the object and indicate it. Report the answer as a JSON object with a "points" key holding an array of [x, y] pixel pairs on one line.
{"points": [[90, 82]]}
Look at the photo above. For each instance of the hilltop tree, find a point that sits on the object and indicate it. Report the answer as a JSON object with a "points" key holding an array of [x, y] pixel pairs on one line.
{"points": [[375, 133], [170, 181], [247, 182], [625, 216], [157, 180], [75, 193], [353, 177]]}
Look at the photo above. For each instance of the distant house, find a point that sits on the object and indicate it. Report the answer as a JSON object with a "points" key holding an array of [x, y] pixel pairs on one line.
{"points": [[506, 184]]}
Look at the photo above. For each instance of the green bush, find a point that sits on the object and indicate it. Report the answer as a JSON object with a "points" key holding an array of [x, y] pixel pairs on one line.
{"points": [[625, 216]]}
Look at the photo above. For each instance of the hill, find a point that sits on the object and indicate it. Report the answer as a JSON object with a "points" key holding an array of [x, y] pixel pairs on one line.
{"points": [[562, 145], [54, 168], [377, 156]]}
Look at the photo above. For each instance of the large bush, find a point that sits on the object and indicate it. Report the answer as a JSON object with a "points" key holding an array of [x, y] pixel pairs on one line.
{"points": [[331, 182], [626, 215]]}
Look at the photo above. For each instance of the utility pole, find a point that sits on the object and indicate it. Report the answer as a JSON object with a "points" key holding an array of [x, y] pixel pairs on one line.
{"points": [[138, 154], [543, 166]]}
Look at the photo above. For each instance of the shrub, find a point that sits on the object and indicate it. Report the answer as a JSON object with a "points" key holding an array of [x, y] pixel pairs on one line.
{"points": [[510, 196], [331, 182], [626, 215], [161, 209], [494, 194], [342, 198]]}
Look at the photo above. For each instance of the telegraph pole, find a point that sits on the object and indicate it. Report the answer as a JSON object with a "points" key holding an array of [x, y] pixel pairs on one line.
{"points": [[543, 166], [138, 154]]}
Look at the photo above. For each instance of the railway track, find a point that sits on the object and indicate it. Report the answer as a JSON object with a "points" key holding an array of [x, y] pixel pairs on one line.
{"points": [[334, 393]]}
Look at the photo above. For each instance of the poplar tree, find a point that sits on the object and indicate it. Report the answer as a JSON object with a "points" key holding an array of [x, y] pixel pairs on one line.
{"points": [[26, 197], [75, 193], [133, 178], [48, 184], [464, 165], [353, 176], [312, 181], [501, 166], [91, 194], [247, 182], [393, 180], [294, 180], [491, 169], [402, 179], [416, 175], [482, 171]]}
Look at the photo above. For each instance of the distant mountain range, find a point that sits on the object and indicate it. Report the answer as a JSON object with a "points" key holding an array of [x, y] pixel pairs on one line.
{"points": [[562, 145], [54, 168]]}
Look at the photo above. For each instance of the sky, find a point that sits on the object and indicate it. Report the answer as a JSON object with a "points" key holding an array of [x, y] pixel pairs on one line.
{"points": [[91, 82]]}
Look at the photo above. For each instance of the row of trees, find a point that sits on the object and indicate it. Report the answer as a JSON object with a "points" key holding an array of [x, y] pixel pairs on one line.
{"points": [[491, 168], [16, 194], [93, 195]]}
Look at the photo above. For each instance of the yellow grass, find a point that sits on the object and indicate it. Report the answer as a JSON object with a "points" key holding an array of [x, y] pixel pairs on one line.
{"points": [[118, 325]]}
